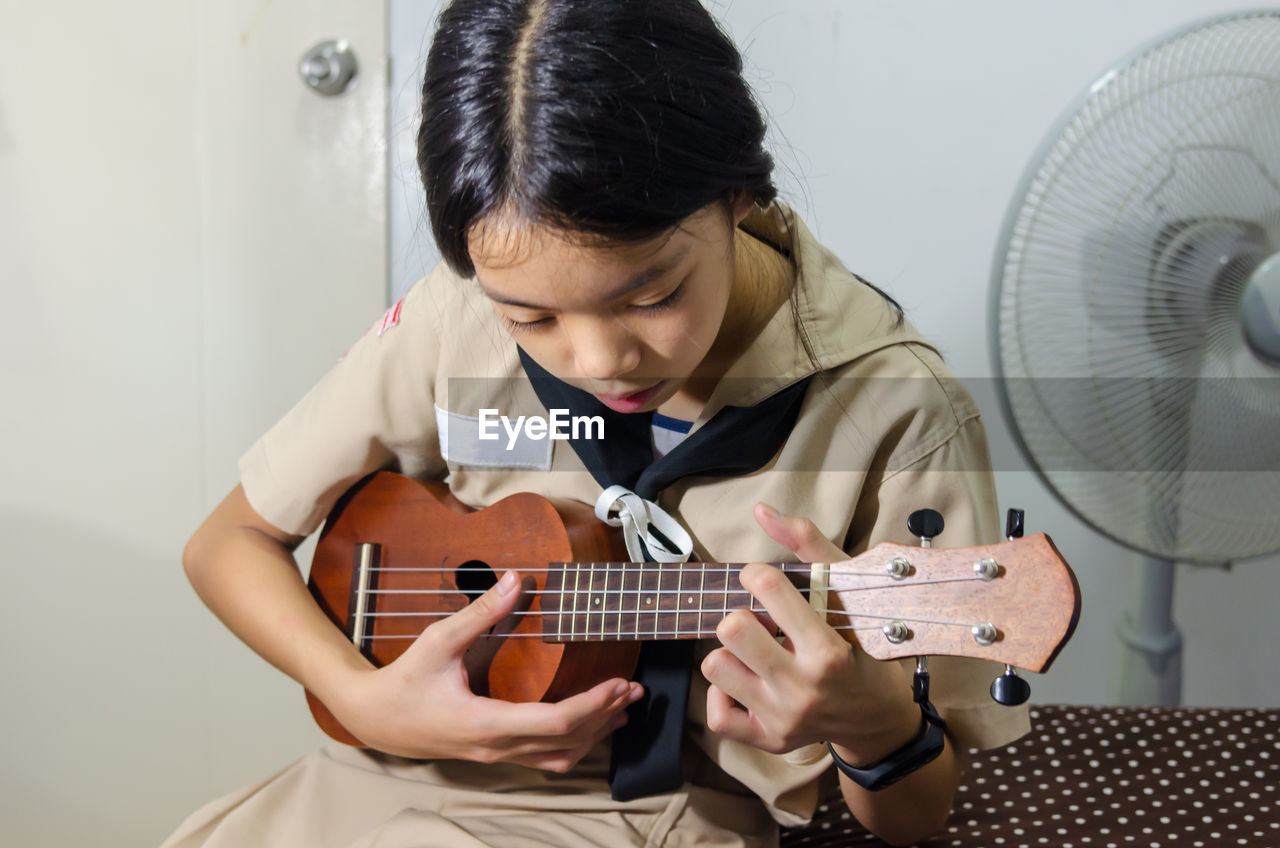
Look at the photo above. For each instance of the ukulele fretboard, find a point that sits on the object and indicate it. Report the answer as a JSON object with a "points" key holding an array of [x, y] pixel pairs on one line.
{"points": [[612, 601]]}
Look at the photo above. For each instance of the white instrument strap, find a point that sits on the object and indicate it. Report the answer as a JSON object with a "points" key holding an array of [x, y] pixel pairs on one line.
{"points": [[636, 516]]}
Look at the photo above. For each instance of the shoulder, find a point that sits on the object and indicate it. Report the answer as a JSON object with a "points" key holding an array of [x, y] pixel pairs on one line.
{"points": [[442, 327], [446, 303], [900, 402]]}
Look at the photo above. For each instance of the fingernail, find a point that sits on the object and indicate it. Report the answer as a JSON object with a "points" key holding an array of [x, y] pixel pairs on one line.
{"points": [[507, 584], [770, 511], [621, 689]]}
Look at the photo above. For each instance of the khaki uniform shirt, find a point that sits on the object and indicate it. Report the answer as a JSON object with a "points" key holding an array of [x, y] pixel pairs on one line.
{"points": [[884, 429]]}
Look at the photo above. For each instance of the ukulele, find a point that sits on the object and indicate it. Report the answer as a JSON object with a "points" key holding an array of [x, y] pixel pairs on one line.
{"points": [[397, 554]]}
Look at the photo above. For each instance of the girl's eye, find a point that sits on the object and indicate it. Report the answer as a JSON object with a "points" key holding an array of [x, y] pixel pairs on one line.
{"points": [[646, 308], [666, 303], [525, 326]]}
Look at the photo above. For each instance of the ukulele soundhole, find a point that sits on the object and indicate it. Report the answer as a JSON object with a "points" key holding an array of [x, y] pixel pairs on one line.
{"points": [[473, 578]]}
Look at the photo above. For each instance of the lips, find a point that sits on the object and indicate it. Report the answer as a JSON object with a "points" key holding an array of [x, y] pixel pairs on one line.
{"points": [[631, 402]]}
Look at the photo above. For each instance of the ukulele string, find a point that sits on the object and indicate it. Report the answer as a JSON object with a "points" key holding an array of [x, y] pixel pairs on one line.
{"points": [[897, 584], [786, 568], [700, 611], [632, 636]]}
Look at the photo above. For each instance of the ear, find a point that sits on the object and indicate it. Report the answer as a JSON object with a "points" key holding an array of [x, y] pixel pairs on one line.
{"points": [[740, 204]]}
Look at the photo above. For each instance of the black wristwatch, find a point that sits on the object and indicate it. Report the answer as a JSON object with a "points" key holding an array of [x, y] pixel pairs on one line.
{"points": [[903, 761]]}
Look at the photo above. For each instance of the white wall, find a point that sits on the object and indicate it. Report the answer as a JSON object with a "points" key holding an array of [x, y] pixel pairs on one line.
{"points": [[101, 380], [185, 246]]}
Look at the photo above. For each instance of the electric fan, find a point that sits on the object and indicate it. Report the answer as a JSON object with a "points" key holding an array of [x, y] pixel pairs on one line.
{"points": [[1135, 303]]}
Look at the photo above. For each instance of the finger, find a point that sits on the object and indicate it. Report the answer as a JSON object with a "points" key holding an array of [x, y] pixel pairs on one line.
{"points": [[563, 759], [798, 534], [729, 721], [502, 731], [794, 615], [732, 676], [751, 644], [454, 633], [581, 713], [581, 737]]}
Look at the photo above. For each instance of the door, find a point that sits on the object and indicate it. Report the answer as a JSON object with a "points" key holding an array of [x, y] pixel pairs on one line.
{"points": [[189, 237]]}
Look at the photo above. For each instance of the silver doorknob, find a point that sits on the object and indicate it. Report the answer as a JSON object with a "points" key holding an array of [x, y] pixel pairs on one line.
{"points": [[329, 67]]}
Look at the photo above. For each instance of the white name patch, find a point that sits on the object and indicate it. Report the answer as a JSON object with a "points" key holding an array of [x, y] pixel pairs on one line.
{"points": [[460, 444], [559, 427]]}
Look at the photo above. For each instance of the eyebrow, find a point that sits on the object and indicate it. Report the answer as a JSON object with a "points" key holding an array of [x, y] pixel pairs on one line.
{"points": [[639, 280]]}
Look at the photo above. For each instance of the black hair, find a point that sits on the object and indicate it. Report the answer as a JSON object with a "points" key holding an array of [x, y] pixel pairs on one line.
{"points": [[616, 119], [611, 119]]}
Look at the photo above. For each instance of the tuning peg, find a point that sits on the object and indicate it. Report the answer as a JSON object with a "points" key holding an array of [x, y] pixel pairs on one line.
{"points": [[1009, 689], [925, 523], [1013, 524]]}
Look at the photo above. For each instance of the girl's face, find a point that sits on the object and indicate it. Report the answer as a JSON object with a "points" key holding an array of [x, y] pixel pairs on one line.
{"points": [[630, 324]]}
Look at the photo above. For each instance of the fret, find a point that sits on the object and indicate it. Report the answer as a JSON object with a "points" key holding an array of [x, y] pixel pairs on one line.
{"points": [[650, 579], [737, 598], [671, 627], [661, 600], [668, 602], [635, 621], [600, 596], [592, 601], [702, 597], [725, 592], [573, 622], [606, 597], [679, 601], [617, 610], [687, 616]]}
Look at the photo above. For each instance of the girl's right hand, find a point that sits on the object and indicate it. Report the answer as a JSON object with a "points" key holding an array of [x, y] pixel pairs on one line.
{"points": [[421, 704]]}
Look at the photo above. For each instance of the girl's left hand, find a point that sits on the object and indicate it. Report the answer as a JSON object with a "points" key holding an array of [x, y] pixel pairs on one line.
{"points": [[813, 687]]}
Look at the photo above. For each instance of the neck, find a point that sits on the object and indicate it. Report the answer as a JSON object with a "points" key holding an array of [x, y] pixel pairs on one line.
{"points": [[625, 601], [762, 282]]}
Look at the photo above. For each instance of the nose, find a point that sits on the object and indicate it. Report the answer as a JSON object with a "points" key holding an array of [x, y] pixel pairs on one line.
{"points": [[603, 349]]}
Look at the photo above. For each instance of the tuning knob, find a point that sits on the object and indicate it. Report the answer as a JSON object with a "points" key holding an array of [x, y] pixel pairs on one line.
{"points": [[1013, 524], [1009, 689], [925, 524]]}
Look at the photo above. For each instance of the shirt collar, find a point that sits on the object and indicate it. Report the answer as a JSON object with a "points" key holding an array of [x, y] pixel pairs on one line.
{"points": [[842, 317]]}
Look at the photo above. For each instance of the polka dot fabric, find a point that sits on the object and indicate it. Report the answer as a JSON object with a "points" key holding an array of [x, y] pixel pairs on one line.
{"points": [[1107, 777]]}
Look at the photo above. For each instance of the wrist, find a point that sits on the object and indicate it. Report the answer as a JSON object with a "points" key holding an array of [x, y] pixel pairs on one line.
{"points": [[338, 678], [867, 749], [910, 757], [882, 725]]}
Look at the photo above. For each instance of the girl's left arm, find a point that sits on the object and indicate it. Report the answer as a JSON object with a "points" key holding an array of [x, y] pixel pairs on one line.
{"points": [[815, 686]]}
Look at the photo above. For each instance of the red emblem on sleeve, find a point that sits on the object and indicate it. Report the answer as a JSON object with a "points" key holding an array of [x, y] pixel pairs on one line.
{"points": [[391, 318]]}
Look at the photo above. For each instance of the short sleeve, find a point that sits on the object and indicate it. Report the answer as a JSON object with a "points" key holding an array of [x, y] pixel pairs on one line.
{"points": [[373, 410], [955, 479]]}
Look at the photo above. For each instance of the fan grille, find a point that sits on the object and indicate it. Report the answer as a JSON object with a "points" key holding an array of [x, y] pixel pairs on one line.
{"points": [[1125, 370]]}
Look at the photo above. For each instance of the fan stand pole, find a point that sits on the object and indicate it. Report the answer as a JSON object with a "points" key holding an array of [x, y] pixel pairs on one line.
{"points": [[1149, 666]]}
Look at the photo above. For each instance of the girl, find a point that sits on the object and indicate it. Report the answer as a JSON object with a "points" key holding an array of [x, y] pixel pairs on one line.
{"points": [[598, 188]]}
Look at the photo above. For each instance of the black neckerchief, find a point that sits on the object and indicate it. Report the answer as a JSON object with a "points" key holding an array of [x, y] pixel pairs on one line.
{"points": [[736, 441]]}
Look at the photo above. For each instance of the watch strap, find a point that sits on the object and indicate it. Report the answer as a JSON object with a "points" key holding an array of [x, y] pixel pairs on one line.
{"points": [[902, 762]]}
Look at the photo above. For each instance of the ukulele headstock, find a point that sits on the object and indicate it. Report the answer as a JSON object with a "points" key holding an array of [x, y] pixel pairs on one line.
{"points": [[1016, 602]]}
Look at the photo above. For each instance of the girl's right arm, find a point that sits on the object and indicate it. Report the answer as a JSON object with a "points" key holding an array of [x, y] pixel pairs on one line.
{"points": [[420, 705]]}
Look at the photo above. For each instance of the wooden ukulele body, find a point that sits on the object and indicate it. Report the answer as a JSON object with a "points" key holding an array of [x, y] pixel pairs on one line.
{"points": [[435, 555]]}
